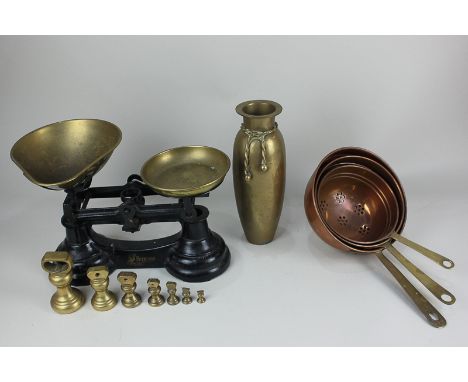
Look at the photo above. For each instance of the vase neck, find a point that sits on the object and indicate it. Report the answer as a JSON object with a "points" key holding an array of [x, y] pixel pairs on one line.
{"points": [[259, 124]]}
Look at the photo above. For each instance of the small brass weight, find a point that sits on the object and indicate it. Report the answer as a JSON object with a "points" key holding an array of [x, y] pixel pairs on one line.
{"points": [[156, 299], [201, 299], [59, 267], [127, 280], [173, 299], [103, 298], [186, 298]]}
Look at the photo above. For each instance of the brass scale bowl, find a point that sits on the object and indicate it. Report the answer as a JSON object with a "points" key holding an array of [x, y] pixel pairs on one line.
{"points": [[66, 155], [355, 202]]}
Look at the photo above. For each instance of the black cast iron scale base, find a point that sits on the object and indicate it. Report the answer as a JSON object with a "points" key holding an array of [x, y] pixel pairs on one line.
{"points": [[194, 254]]}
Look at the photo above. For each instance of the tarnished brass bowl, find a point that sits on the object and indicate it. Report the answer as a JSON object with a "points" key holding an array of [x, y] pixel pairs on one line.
{"points": [[63, 154], [185, 171]]}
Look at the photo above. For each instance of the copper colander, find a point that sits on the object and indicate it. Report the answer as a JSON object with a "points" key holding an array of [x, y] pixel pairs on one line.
{"points": [[358, 205], [355, 208], [378, 168]]}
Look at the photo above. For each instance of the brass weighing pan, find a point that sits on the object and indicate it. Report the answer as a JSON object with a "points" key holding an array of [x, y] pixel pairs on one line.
{"points": [[63, 154], [185, 171]]}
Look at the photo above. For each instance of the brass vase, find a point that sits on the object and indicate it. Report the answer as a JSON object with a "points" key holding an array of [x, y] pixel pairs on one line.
{"points": [[259, 170]]}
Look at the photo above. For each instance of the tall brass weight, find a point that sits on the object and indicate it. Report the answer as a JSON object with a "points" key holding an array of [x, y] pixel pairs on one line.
{"points": [[259, 170], [59, 267]]}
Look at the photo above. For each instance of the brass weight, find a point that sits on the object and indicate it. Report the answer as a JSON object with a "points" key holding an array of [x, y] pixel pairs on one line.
{"points": [[173, 299], [186, 298], [103, 299], [201, 299], [59, 266], [127, 280], [154, 288]]}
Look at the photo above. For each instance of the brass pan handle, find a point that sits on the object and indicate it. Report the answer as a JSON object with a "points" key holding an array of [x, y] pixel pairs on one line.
{"points": [[439, 259], [437, 290], [432, 315]]}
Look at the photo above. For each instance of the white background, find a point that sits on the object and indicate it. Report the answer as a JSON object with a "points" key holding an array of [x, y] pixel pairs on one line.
{"points": [[403, 97]]}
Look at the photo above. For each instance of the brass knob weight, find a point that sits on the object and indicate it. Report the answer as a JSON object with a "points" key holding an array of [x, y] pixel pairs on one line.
{"points": [[172, 299], [59, 266], [127, 280], [154, 288], [103, 299], [186, 298]]}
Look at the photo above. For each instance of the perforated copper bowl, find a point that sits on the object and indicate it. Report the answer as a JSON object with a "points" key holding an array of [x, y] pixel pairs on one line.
{"points": [[375, 163], [351, 155], [345, 202], [381, 169], [358, 206]]}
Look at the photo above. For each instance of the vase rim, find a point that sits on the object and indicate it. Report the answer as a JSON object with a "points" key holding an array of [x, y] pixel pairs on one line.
{"points": [[259, 109]]}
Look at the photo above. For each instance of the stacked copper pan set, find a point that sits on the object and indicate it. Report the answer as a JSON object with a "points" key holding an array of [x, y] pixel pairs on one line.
{"points": [[355, 202]]}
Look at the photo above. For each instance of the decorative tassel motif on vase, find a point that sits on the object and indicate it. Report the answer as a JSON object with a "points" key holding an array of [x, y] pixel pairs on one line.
{"points": [[259, 170]]}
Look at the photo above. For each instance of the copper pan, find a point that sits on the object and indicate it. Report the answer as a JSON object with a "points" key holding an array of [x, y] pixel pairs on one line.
{"points": [[396, 186], [356, 204], [375, 163], [381, 171], [329, 236]]}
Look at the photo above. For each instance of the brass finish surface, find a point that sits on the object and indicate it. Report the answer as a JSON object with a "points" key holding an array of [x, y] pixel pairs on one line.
{"points": [[61, 155], [154, 288], [59, 266], [259, 170], [439, 259], [173, 299], [127, 280], [201, 299], [427, 309], [103, 299], [185, 171], [186, 298], [437, 290]]}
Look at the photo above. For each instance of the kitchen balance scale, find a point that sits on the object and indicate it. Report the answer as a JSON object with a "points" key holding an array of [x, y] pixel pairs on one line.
{"points": [[66, 155]]}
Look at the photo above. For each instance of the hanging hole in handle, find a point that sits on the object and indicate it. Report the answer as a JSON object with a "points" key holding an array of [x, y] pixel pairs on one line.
{"points": [[436, 320], [448, 264], [447, 298]]}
